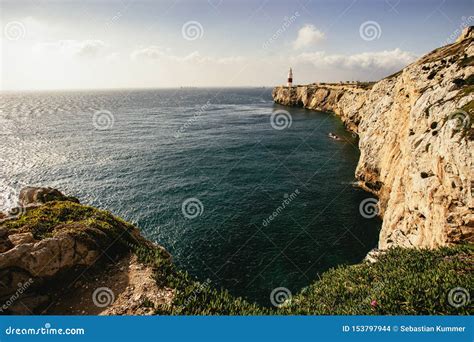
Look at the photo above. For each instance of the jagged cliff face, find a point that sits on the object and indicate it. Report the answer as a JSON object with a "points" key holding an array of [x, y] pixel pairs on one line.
{"points": [[416, 143]]}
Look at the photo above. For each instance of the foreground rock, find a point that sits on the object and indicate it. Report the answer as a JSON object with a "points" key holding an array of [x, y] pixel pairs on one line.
{"points": [[66, 258], [58, 242], [416, 143], [38, 196]]}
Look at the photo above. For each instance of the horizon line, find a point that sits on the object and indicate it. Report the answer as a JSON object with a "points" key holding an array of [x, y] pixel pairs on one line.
{"points": [[133, 88]]}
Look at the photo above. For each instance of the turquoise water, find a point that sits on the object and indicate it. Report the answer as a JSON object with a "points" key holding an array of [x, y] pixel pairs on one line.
{"points": [[214, 149]]}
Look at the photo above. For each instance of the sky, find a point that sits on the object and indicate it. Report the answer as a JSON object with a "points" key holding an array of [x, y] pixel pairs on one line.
{"points": [[217, 43]]}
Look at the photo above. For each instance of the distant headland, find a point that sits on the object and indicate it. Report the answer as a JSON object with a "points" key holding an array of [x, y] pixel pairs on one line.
{"points": [[416, 141]]}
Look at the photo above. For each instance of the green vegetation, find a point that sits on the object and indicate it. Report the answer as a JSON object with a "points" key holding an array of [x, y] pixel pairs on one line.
{"points": [[466, 61], [191, 296], [92, 226], [470, 80], [469, 108], [466, 91], [396, 74], [451, 52], [403, 281]]}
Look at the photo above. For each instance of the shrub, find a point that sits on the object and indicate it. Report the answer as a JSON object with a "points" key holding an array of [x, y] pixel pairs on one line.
{"points": [[402, 282]]}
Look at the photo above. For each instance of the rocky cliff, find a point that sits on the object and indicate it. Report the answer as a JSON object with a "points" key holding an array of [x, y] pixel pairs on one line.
{"points": [[58, 256], [416, 142]]}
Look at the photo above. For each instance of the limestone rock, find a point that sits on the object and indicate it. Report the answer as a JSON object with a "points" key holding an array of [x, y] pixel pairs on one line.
{"points": [[466, 32], [34, 195], [21, 238], [48, 256], [373, 255], [416, 142], [51, 241]]}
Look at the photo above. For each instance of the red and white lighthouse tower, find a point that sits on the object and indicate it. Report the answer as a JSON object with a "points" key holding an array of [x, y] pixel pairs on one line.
{"points": [[290, 78]]}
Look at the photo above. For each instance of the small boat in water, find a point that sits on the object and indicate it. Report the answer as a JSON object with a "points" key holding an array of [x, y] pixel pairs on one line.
{"points": [[334, 136]]}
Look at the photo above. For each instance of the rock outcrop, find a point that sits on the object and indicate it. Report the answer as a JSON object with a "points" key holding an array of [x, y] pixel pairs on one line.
{"points": [[416, 142], [56, 239], [38, 196]]}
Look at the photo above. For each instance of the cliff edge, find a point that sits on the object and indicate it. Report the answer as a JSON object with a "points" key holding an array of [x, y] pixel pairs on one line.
{"points": [[416, 140], [60, 257]]}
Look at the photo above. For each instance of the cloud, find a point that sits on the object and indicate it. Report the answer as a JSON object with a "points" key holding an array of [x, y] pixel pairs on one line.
{"points": [[151, 52], [385, 60], [308, 36], [196, 58], [89, 48], [84, 48], [113, 57], [155, 52]]}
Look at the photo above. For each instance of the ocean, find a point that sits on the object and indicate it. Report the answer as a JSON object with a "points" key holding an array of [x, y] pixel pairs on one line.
{"points": [[244, 193]]}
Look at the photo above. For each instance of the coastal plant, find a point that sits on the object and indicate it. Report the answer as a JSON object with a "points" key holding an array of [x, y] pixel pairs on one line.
{"points": [[403, 281], [192, 297]]}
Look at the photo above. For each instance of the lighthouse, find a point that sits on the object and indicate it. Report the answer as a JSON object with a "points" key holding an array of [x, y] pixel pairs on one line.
{"points": [[290, 78]]}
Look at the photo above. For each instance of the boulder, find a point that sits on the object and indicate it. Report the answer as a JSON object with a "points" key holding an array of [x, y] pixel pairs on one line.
{"points": [[20, 238], [373, 255], [45, 242], [34, 196], [49, 256], [5, 243]]}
